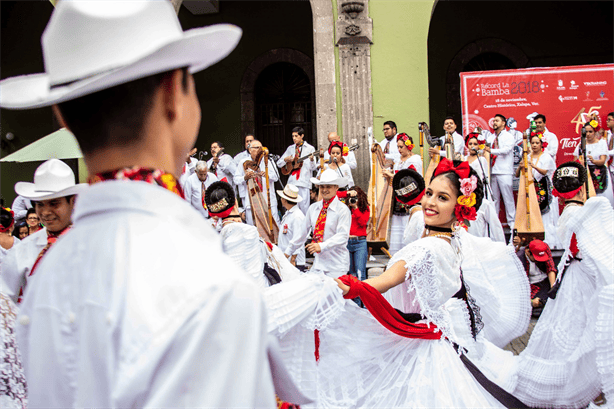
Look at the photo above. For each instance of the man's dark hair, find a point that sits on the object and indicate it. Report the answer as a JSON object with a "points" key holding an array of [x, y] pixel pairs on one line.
{"points": [[298, 130], [540, 116], [113, 116], [611, 114], [450, 117], [503, 118], [220, 144], [391, 124]]}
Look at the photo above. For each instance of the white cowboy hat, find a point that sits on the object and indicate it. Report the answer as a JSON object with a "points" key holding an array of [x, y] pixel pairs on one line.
{"points": [[52, 179], [330, 177], [89, 46], [290, 193]]}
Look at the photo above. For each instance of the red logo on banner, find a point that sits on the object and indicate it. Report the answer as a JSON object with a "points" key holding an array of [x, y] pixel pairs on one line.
{"points": [[565, 95]]}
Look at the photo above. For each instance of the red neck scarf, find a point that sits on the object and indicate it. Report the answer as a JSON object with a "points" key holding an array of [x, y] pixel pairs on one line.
{"points": [[384, 313], [318, 231], [152, 176]]}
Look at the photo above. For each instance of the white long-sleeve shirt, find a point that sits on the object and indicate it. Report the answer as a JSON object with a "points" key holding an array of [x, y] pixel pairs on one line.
{"points": [[242, 183], [459, 144], [393, 149], [193, 191], [137, 306], [188, 169], [20, 207], [18, 263], [504, 164], [292, 232], [225, 168], [553, 142], [307, 168], [334, 257]]}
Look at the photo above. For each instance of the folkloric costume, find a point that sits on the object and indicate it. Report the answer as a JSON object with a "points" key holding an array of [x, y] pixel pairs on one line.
{"points": [[343, 169], [263, 261], [194, 192], [292, 225], [52, 179], [224, 169], [408, 188], [568, 360], [120, 292], [300, 177]]}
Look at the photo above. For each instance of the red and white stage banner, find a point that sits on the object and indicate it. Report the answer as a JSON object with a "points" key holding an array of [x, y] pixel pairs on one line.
{"points": [[565, 95]]}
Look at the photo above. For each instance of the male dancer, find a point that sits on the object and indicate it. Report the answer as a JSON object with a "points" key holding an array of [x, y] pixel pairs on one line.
{"points": [[53, 196], [302, 174], [120, 315]]}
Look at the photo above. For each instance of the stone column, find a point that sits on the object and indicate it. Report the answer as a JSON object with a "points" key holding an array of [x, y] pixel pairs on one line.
{"points": [[324, 67], [354, 35]]}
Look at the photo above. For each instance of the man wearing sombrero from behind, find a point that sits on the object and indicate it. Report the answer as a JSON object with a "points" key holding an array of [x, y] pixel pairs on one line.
{"points": [[53, 196], [120, 315], [292, 225]]}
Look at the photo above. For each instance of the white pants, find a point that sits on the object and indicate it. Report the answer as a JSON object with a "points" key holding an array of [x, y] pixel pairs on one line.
{"points": [[303, 192], [501, 186]]}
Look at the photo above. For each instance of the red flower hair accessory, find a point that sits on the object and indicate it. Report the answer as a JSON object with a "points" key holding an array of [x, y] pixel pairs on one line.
{"points": [[344, 148], [405, 138], [541, 139], [7, 229]]}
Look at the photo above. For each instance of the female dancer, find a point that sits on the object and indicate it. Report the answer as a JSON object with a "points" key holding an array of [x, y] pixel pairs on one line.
{"points": [[7, 240], [337, 151], [569, 358], [400, 211], [487, 223], [597, 155], [542, 166]]}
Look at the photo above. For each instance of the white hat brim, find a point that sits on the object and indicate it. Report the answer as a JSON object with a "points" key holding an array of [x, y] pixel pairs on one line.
{"points": [[289, 199], [341, 182], [198, 49], [29, 191]]}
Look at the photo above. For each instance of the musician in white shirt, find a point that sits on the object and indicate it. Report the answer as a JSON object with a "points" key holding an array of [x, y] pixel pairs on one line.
{"points": [[304, 172], [195, 186], [449, 126], [188, 166], [389, 143], [244, 154], [350, 159], [241, 177], [610, 142], [501, 145], [549, 137], [221, 164]]}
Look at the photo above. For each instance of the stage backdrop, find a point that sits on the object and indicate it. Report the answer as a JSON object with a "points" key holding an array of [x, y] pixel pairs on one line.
{"points": [[565, 95]]}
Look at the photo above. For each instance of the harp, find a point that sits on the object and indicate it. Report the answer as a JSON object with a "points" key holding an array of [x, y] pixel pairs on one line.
{"points": [[589, 188], [261, 204], [528, 222], [380, 199]]}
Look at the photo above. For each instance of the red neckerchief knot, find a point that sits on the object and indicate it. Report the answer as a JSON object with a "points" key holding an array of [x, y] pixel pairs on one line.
{"points": [[446, 165]]}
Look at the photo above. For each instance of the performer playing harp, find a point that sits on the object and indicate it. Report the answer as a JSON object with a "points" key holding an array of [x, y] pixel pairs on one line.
{"points": [[254, 179]]}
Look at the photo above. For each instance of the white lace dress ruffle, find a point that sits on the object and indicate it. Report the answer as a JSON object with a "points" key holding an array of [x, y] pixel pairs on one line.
{"points": [[570, 356], [362, 364], [414, 227]]}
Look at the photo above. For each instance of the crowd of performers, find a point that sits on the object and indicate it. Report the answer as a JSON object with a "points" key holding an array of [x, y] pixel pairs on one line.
{"points": [[142, 289]]}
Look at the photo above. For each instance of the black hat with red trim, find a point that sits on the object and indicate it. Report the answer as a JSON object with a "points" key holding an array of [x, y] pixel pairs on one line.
{"points": [[408, 186], [220, 199]]}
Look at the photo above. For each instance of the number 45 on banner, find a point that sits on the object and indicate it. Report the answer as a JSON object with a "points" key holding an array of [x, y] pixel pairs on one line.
{"points": [[581, 118]]}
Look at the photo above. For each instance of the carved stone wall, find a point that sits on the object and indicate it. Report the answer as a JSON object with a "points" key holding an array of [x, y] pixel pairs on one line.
{"points": [[354, 38]]}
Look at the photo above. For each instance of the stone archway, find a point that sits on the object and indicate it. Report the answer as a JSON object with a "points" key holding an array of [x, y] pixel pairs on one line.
{"points": [[248, 83]]}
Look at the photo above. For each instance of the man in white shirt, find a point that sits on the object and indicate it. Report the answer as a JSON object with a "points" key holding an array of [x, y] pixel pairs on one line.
{"points": [[501, 148], [389, 143], [549, 137], [53, 194], [301, 176], [242, 177], [188, 166], [221, 164], [292, 229], [196, 185], [136, 306], [330, 222], [244, 154], [350, 159], [449, 126]]}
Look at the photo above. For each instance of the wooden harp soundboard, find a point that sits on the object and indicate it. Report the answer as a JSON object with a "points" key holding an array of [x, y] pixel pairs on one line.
{"points": [[528, 222], [380, 200]]}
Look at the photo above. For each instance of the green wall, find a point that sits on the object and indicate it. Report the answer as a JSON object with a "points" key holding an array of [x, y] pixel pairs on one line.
{"points": [[399, 72]]}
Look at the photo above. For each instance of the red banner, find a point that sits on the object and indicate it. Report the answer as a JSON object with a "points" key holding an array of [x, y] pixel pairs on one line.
{"points": [[565, 95]]}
